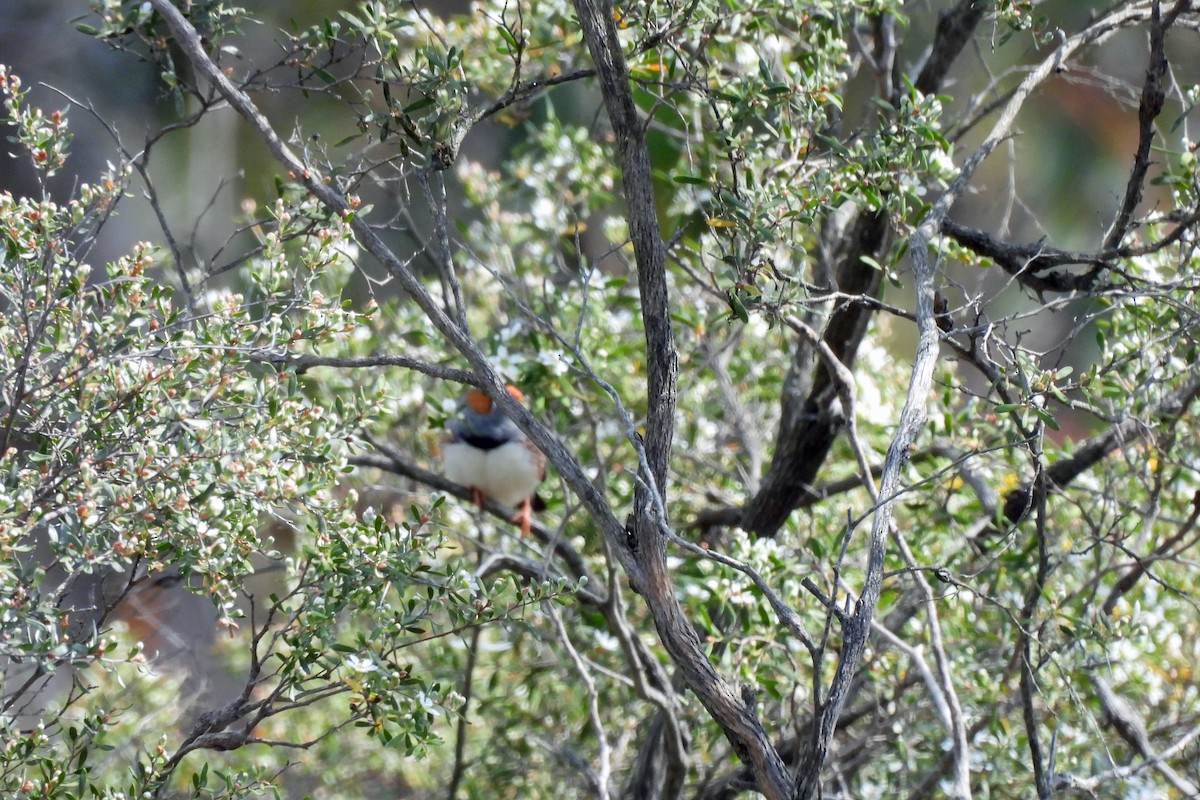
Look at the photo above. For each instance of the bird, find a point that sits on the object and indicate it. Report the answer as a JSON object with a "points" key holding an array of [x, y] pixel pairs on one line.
{"points": [[487, 452]]}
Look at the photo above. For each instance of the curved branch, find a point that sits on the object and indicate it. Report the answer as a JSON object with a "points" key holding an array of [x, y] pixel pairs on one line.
{"points": [[810, 419]]}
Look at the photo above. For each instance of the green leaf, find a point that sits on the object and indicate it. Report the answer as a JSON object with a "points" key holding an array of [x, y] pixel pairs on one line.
{"points": [[509, 39], [738, 307], [418, 105], [348, 139], [1046, 417]]}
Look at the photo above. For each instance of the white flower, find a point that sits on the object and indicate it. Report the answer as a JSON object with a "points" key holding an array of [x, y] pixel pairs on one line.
{"points": [[471, 582], [545, 214], [555, 361], [746, 55], [942, 165], [429, 704], [507, 363], [358, 664]]}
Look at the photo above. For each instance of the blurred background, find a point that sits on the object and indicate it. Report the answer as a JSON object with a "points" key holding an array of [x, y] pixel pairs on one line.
{"points": [[1061, 178]]}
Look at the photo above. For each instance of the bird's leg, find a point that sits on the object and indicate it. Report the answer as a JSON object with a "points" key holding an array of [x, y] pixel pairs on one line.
{"points": [[524, 516], [477, 496]]}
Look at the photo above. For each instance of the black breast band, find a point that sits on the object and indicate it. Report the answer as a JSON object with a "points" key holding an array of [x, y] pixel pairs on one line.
{"points": [[482, 442]]}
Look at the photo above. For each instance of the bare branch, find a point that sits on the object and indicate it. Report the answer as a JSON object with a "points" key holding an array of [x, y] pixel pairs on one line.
{"points": [[1028, 263], [603, 774], [810, 419], [1153, 96], [727, 706], [1138, 570], [1033, 596], [912, 421], [600, 33], [954, 29], [1092, 451], [788, 617], [1130, 726], [306, 361]]}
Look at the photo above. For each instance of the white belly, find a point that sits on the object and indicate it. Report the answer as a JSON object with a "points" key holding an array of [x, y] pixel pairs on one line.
{"points": [[508, 474]]}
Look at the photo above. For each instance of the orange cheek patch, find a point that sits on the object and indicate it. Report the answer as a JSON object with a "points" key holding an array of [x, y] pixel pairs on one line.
{"points": [[479, 401]]}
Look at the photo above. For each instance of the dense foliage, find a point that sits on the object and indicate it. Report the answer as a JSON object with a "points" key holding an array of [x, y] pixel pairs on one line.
{"points": [[874, 452]]}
